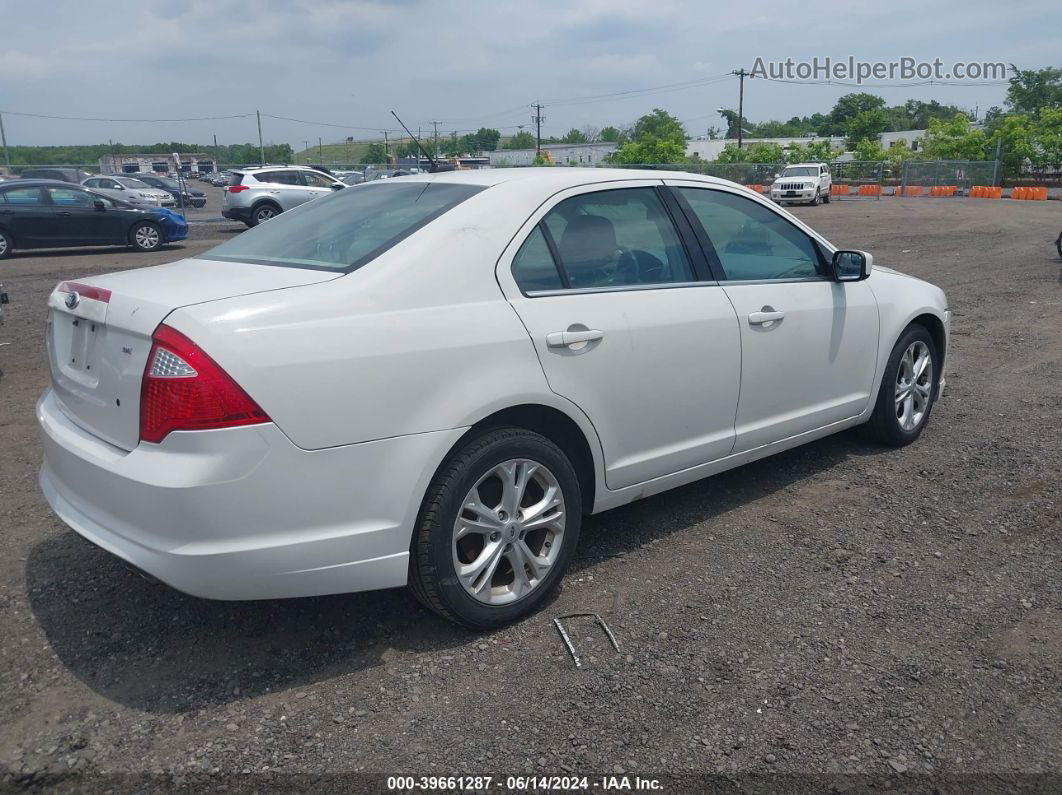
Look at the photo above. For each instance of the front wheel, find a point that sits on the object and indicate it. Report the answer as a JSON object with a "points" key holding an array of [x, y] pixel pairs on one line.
{"points": [[907, 390], [263, 213], [497, 530], [145, 236], [6, 244]]}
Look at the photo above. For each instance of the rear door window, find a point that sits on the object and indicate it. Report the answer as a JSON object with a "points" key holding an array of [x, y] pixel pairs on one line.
{"points": [[71, 197], [534, 267], [315, 180], [22, 196]]}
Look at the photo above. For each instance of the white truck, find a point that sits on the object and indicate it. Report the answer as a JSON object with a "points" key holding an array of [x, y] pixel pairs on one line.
{"points": [[803, 182]]}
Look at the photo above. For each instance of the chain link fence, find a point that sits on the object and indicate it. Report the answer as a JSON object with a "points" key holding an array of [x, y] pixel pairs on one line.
{"points": [[919, 176]]}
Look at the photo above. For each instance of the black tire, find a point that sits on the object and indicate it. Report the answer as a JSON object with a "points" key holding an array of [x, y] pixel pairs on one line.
{"points": [[884, 426], [815, 201], [432, 574], [262, 213], [6, 244], [826, 196], [146, 236], [1058, 245]]}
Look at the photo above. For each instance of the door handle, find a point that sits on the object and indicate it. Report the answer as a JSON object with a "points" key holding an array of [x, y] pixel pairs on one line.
{"points": [[767, 315], [63, 212], [562, 339]]}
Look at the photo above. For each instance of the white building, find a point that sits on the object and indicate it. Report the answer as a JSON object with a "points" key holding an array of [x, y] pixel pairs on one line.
{"points": [[711, 148], [913, 138], [562, 154]]}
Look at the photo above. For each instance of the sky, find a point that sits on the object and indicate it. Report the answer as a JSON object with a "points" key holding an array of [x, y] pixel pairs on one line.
{"points": [[465, 63]]}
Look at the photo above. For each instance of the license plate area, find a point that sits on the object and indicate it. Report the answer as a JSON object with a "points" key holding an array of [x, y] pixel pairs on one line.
{"points": [[791, 193], [75, 341]]}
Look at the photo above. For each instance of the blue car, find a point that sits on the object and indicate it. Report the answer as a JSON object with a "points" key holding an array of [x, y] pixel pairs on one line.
{"points": [[40, 213]]}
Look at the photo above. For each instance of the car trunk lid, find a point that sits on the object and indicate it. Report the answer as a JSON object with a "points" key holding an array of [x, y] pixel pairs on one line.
{"points": [[99, 332]]}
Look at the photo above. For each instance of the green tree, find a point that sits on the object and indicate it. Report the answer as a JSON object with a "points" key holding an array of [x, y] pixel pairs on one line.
{"points": [[658, 137], [574, 136], [610, 134], [811, 152], [869, 150], [522, 140], [1047, 139], [374, 154], [866, 125], [954, 140], [487, 138], [758, 152], [1033, 89], [848, 107]]}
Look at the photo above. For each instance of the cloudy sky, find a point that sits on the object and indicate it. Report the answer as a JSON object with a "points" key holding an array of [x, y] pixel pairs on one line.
{"points": [[466, 63]]}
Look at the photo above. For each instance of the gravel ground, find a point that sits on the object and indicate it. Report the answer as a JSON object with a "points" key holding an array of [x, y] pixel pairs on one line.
{"points": [[837, 609]]}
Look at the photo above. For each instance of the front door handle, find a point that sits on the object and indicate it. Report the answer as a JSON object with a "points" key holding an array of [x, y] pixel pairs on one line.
{"points": [[562, 339], [766, 315]]}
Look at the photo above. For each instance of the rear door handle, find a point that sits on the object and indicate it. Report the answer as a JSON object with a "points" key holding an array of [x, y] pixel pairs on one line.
{"points": [[63, 212], [759, 318], [562, 339]]}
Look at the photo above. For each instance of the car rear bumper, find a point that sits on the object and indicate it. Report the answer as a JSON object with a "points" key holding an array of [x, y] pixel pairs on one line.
{"points": [[237, 213], [242, 513]]}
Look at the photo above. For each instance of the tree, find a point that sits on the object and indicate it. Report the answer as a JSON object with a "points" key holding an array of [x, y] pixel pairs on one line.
{"points": [[374, 154], [658, 137], [954, 140], [574, 136], [867, 124], [731, 118], [1015, 136], [591, 133], [810, 152], [754, 153], [522, 140], [610, 134], [1033, 89], [1047, 139], [848, 107], [487, 138]]}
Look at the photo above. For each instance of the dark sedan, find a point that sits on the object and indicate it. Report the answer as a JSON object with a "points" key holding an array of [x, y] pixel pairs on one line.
{"points": [[192, 198], [52, 214]]}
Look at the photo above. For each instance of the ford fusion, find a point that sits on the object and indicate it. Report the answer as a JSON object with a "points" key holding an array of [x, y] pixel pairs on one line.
{"points": [[430, 381]]}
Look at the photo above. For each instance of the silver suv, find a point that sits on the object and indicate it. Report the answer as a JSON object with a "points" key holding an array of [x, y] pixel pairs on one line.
{"points": [[255, 195]]}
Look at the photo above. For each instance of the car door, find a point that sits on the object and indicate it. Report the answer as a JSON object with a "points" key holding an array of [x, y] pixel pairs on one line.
{"points": [[285, 186], [614, 294], [24, 212], [78, 221], [317, 185], [808, 343]]}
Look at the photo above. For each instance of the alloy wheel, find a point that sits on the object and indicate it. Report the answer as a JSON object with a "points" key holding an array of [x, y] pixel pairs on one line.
{"points": [[914, 385], [509, 531], [3, 245], [147, 237], [264, 214]]}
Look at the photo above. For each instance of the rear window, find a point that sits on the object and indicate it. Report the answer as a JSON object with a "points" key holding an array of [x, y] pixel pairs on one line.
{"points": [[344, 231], [236, 178]]}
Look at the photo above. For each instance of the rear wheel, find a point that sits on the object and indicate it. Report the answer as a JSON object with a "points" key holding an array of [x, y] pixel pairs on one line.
{"points": [[145, 236], [497, 530], [263, 213], [6, 244], [907, 391]]}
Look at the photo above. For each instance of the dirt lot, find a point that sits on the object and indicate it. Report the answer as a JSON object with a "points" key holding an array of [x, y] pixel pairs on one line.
{"points": [[840, 608]]}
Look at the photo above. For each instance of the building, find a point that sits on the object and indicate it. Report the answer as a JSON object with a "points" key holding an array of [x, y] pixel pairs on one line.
{"points": [[561, 154], [711, 148], [912, 137], [160, 163]]}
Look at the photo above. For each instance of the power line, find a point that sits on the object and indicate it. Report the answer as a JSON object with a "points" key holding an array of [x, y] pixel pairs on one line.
{"points": [[702, 81], [137, 121]]}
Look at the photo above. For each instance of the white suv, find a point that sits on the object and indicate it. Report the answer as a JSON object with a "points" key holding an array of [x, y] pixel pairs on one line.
{"points": [[254, 195], [803, 182]]}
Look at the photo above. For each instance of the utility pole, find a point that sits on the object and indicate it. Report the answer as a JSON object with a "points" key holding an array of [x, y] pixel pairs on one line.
{"points": [[217, 156], [742, 74], [538, 119], [387, 149], [306, 148], [435, 127], [320, 150], [3, 139], [261, 146]]}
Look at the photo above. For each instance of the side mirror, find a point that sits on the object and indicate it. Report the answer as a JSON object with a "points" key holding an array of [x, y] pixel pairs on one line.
{"points": [[338, 187], [852, 266]]}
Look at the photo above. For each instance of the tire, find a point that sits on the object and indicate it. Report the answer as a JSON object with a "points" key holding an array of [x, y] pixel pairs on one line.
{"points": [[436, 553], [263, 212], [1058, 245], [826, 197], [885, 424], [146, 236], [6, 244]]}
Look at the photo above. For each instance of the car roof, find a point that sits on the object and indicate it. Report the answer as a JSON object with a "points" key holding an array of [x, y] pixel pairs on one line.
{"points": [[556, 178], [37, 183], [794, 165]]}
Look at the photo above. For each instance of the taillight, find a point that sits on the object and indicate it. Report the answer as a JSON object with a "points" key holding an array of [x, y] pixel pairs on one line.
{"points": [[236, 188], [185, 390]]}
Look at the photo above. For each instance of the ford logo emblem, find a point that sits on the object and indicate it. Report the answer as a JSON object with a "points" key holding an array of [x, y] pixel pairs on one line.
{"points": [[72, 300]]}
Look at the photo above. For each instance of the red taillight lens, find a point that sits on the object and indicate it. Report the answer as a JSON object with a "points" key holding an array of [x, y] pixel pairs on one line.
{"points": [[185, 390], [236, 188]]}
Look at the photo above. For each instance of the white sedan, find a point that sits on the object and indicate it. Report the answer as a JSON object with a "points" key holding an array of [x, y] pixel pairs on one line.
{"points": [[432, 380]]}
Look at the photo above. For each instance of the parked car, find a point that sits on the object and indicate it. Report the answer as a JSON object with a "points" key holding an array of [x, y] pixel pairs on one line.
{"points": [[192, 198], [352, 178], [53, 214], [220, 180], [61, 173], [129, 190], [255, 195], [803, 182], [432, 379]]}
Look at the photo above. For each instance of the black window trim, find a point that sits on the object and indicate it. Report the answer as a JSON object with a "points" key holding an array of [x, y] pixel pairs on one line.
{"points": [[713, 257], [693, 251]]}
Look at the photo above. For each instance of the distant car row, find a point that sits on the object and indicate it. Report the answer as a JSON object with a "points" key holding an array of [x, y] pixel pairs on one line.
{"points": [[140, 190]]}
